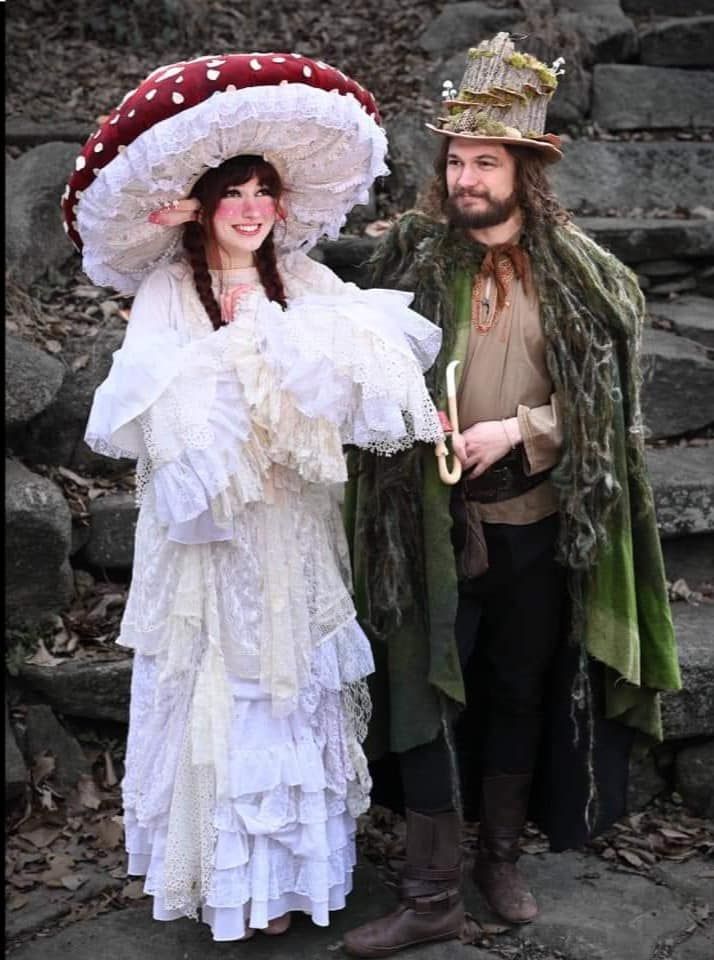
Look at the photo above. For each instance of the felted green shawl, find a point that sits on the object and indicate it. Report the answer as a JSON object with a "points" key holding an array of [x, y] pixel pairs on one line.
{"points": [[397, 511]]}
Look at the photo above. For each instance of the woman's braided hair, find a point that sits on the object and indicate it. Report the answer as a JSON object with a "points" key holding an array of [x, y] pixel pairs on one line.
{"points": [[199, 237]]}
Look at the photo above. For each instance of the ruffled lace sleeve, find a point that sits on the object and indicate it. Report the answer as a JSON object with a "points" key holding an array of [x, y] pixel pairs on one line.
{"points": [[356, 359], [179, 404]]}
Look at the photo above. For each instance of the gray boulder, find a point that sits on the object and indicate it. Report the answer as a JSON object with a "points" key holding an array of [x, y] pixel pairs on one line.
{"points": [[348, 257], [690, 559], [470, 22], [604, 32], [690, 711], [412, 149], [683, 484], [112, 528], [38, 537], [629, 97], [678, 384], [690, 316], [56, 436], [15, 769], [32, 380], [33, 226], [45, 734], [98, 689], [644, 782], [695, 777], [634, 241], [668, 8], [679, 42], [599, 176]]}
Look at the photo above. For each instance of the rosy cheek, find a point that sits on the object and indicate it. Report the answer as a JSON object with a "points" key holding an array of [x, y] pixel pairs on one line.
{"points": [[228, 209]]}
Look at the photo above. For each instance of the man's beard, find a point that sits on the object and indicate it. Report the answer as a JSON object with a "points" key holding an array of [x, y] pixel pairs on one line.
{"points": [[495, 211]]}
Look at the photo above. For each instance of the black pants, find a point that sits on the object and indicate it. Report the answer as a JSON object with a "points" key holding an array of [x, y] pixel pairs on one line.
{"points": [[508, 626]]}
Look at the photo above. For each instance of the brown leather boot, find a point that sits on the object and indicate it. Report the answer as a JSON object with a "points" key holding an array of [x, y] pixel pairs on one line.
{"points": [[430, 905], [504, 806]]}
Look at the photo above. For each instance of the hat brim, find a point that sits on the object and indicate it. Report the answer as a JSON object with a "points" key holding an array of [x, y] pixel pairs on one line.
{"points": [[324, 145], [551, 154]]}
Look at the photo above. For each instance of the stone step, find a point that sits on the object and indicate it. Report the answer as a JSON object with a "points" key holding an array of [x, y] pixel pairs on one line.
{"points": [[690, 316], [678, 384], [690, 559], [470, 22], [690, 711], [679, 42], [599, 176], [21, 132], [81, 687], [112, 525], [682, 479], [668, 8], [628, 97]]}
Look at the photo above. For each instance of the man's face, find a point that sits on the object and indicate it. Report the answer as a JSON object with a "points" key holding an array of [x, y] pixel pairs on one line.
{"points": [[480, 184]]}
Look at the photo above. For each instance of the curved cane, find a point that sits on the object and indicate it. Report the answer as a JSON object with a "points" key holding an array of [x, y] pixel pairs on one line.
{"points": [[453, 475]]}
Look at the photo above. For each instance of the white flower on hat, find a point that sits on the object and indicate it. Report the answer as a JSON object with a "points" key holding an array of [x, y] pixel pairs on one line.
{"points": [[447, 90], [557, 66]]}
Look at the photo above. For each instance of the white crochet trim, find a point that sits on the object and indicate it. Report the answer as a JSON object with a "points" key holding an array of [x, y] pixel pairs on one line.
{"points": [[325, 147]]}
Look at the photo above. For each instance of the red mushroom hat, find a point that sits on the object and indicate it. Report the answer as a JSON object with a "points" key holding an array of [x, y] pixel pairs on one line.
{"points": [[320, 130]]}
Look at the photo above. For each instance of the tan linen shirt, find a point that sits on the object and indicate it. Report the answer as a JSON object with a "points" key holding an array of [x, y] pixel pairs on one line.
{"points": [[504, 375]]}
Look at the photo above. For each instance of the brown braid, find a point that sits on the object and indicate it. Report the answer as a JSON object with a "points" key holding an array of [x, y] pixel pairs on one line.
{"points": [[194, 245], [268, 272]]}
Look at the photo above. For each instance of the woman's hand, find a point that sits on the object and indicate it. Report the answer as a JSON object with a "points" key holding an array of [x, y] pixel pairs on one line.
{"points": [[176, 213], [231, 298]]}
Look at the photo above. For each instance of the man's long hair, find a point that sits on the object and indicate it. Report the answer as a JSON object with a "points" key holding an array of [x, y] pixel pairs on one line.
{"points": [[536, 198]]}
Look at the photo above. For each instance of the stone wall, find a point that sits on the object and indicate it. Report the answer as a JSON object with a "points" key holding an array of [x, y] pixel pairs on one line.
{"points": [[636, 112]]}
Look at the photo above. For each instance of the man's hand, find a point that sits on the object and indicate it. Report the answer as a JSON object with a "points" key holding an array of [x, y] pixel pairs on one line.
{"points": [[484, 443]]}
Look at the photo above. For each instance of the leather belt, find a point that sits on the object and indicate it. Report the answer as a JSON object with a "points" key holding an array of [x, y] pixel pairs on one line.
{"points": [[503, 480]]}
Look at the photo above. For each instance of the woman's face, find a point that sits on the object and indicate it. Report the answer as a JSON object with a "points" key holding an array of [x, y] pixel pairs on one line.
{"points": [[243, 219]]}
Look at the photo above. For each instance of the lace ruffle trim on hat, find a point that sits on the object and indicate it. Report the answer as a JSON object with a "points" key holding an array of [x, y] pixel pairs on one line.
{"points": [[326, 149]]}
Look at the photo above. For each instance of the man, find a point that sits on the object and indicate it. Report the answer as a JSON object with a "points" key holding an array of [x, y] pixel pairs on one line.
{"points": [[533, 591]]}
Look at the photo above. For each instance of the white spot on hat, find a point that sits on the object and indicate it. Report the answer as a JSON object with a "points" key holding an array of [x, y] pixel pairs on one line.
{"points": [[80, 163], [171, 72], [65, 227], [179, 79], [231, 88], [65, 195], [283, 83], [132, 113], [151, 94], [98, 147], [177, 97], [278, 59], [121, 148], [213, 74], [215, 63], [321, 65], [307, 71], [298, 56], [114, 119], [255, 64]]}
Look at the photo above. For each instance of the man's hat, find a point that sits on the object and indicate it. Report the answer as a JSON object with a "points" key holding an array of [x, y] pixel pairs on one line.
{"points": [[503, 98]]}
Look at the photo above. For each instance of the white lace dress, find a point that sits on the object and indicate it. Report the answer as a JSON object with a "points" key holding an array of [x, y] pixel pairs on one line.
{"points": [[244, 765]]}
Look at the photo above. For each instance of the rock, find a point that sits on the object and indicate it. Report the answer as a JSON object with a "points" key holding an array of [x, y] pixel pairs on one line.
{"points": [[56, 436], [690, 316], [15, 769], [683, 484], [678, 384], [45, 734], [679, 42], [38, 538], [634, 241], [629, 97], [571, 101], [412, 149], [32, 380], [690, 711], [598, 176], [705, 282], [112, 528], [605, 33], [680, 285], [40, 912], [348, 257], [33, 227], [690, 559], [98, 689], [471, 21], [26, 133], [695, 778], [665, 268], [644, 783], [668, 8]]}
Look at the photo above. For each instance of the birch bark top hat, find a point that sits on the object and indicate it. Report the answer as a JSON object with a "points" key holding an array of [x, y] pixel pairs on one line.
{"points": [[503, 98], [317, 127]]}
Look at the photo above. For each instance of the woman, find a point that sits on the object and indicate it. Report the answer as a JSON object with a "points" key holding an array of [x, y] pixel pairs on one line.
{"points": [[244, 370]]}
